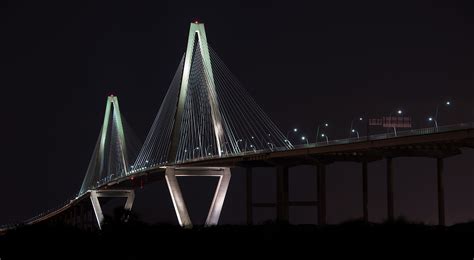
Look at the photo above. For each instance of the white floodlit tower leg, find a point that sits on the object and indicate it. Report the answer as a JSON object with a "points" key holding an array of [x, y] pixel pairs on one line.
{"points": [[177, 198], [96, 194], [215, 210], [219, 197]]}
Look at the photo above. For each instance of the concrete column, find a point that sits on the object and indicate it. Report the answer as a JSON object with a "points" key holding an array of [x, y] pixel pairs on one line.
{"points": [[282, 194], [441, 216], [249, 196], [365, 196], [224, 175], [390, 210], [321, 176], [94, 197]]}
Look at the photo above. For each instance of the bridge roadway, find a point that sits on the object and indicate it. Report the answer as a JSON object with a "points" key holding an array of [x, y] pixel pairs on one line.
{"points": [[434, 143]]}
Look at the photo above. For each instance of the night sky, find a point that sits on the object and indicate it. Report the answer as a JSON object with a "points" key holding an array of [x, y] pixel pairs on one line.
{"points": [[304, 63]]}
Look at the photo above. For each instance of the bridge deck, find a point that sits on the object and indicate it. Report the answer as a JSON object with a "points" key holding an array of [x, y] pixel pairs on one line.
{"points": [[440, 143]]}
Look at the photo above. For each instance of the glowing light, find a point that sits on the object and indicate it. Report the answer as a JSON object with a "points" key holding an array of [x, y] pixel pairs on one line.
{"points": [[353, 130], [295, 130], [360, 119], [303, 138], [430, 119], [326, 124], [448, 103], [399, 112], [322, 135]]}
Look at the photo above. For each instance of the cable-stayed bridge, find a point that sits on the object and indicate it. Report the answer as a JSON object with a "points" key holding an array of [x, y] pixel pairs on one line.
{"points": [[207, 124]]}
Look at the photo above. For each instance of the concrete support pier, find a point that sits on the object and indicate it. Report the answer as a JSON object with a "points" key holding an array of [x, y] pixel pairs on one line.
{"points": [[249, 195], [321, 178], [282, 194], [365, 196], [390, 211], [440, 168]]}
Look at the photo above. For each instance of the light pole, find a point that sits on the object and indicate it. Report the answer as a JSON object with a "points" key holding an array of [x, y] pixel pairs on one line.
{"points": [[238, 146], [305, 139], [357, 132], [197, 148], [185, 153], [207, 150], [317, 131], [253, 148], [270, 145], [447, 103], [352, 125], [435, 121], [327, 139], [294, 130], [399, 112]]}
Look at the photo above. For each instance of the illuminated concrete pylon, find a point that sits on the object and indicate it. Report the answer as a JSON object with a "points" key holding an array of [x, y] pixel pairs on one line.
{"points": [[197, 39], [96, 194], [113, 100], [197, 33], [178, 201], [98, 165]]}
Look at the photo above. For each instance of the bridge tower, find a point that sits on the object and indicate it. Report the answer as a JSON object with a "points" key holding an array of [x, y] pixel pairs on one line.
{"points": [[205, 114], [110, 160], [197, 45], [197, 39]]}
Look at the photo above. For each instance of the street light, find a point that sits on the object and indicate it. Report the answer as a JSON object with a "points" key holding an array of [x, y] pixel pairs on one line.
{"points": [[197, 148], [253, 148], [270, 145], [399, 112], [327, 139], [435, 121], [305, 139], [294, 130], [352, 125], [317, 131], [357, 132], [447, 103], [207, 149]]}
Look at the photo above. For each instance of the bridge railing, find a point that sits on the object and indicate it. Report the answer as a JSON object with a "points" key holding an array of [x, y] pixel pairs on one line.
{"points": [[412, 132], [38, 216]]}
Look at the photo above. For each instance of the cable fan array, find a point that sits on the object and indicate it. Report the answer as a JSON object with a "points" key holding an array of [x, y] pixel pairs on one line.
{"points": [[116, 148], [244, 125]]}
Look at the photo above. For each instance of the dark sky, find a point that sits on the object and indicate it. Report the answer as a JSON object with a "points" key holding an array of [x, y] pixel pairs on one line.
{"points": [[304, 63]]}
